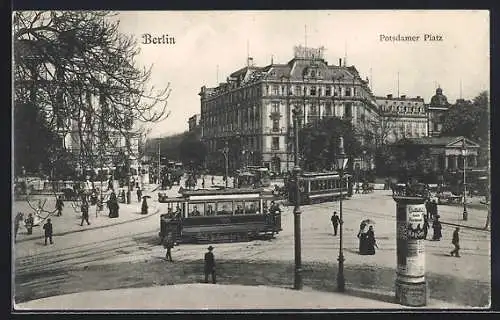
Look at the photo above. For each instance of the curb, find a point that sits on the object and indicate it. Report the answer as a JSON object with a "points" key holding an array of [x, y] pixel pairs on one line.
{"points": [[141, 217], [466, 227]]}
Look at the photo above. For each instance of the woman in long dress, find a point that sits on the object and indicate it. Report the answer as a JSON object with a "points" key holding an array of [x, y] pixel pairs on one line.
{"points": [[362, 238], [370, 241]]}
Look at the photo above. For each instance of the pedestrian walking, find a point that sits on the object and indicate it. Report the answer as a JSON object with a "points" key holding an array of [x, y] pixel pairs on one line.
{"points": [[455, 241], [47, 227], [144, 207], [357, 187], [85, 212], [139, 194], [168, 244], [59, 206], [436, 226], [210, 265], [17, 221], [426, 226], [335, 222], [371, 243], [29, 222]]}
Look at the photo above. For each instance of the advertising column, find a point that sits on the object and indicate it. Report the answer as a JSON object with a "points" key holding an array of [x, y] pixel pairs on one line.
{"points": [[411, 287]]}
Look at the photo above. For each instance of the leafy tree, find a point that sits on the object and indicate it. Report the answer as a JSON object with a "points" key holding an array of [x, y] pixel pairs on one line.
{"points": [[319, 143], [471, 120], [192, 151]]}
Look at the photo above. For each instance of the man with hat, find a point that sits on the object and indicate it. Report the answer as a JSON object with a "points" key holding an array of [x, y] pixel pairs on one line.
{"points": [[209, 264]]}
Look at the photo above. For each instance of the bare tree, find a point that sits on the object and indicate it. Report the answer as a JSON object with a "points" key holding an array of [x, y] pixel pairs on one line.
{"points": [[77, 73]]}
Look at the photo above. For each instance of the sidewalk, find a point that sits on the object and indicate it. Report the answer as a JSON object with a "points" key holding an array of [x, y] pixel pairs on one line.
{"points": [[214, 297], [70, 220]]}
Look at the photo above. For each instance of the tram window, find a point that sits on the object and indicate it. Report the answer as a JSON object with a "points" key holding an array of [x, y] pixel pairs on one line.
{"points": [[210, 209], [195, 210], [238, 207], [224, 208], [251, 207]]}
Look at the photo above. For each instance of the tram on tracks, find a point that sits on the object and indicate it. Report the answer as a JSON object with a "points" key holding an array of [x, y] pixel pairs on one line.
{"points": [[319, 187], [227, 215]]}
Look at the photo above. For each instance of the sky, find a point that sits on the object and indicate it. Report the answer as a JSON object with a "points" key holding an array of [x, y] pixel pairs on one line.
{"points": [[210, 45]]}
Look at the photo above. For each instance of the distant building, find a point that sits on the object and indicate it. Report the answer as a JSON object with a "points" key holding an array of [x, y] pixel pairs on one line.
{"points": [[194, 123], [402, 117], [254, 106]]}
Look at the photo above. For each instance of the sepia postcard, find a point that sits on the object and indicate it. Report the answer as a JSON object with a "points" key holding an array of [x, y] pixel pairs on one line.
{"points": [[313, 160]]}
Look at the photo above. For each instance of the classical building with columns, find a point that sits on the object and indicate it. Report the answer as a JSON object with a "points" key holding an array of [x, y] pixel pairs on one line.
{"points": [[446, 153], [254, 106]]}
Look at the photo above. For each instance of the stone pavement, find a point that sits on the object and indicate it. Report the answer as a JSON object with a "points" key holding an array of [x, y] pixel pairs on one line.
{"points": [[69, 221], [212, 297]]}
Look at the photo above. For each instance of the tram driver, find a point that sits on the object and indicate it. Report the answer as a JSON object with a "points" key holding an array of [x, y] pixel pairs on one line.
{"points": [[195, 212], [239, 210]]}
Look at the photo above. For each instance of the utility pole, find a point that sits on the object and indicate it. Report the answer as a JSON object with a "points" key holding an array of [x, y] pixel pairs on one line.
{"points": [[159, 162]]}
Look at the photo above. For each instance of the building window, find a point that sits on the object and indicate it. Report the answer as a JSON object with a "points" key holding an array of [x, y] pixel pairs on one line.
{"points": [[328, 110], [275, 145], [267, 90], [276, 125], [328, 91], [319, 91], [275, 90], [313, 91], [297, 91], [313, 110], [347, 92], [275, 107]]}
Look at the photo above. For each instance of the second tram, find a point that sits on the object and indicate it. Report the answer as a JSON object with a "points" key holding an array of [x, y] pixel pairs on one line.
{"points": [[319, 186]]}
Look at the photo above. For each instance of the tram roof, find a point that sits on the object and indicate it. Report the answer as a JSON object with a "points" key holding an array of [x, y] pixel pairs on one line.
{"points": [[222, 191]]}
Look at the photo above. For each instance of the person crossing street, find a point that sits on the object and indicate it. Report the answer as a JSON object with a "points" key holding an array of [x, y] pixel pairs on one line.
{"points": [[335, 222], [59, 206], [455, 241], [169, 244], [85, 211], [210, 265], [47, 227]]}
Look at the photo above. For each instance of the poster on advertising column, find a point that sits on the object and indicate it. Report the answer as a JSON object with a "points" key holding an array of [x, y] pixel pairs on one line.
{"points": [[415, 259]]}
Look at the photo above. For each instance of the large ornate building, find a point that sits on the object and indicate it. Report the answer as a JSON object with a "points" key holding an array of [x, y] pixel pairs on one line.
{"points": [[254, 106], [402, 117]]}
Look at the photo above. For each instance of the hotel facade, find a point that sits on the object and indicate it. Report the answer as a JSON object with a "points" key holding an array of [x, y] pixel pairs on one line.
{"points": [[253, 108]]}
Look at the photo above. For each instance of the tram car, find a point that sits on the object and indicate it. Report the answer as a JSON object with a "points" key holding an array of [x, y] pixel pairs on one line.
{"points": [[319, 187], [227, 215]]}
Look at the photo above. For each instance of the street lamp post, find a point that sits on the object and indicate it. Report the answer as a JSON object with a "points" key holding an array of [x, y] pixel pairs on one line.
{"points": [[225, 152], [464, 154], [341, 163], [296, 211]]}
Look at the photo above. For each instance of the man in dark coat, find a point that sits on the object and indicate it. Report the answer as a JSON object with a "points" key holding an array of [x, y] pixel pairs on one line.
{"points": [[59, 206], [168, 244], [29, 223], [209, 265], [455, 241], [335, 222], [85, 212], [436, 226], [47, 227], [139, 194]]}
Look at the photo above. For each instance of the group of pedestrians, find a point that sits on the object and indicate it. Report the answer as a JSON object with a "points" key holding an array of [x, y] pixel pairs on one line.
{"points": [[368, 243], [209, 258]]}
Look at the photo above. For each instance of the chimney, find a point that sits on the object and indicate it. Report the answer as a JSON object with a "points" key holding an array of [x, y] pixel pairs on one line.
{"points": [[250, 62], [340, 62], [403, 96], [389, 96]]}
